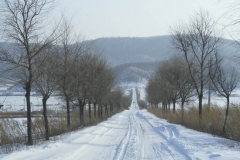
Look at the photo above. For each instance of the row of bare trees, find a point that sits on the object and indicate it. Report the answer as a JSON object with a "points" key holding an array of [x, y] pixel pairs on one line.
{"points": [[170, 84], [198, 64], [54, 60]]}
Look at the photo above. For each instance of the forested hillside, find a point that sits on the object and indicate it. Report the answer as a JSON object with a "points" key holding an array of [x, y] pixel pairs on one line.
{"points": [[128, 50], [135, 58], [150, 49]]}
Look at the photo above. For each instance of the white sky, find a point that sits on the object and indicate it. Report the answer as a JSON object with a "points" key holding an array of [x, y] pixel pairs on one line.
{"points": [[135, 18]]}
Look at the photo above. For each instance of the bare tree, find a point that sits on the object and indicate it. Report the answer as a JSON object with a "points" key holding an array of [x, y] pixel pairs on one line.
{"points": [[23, 24], [79, 91], [46, 81], [104, 82], [197, 42], [184, 84], [225, 80], [152, 92], [179, 77], [116, 96], [168, 71], [174, 80], [71, 47]]}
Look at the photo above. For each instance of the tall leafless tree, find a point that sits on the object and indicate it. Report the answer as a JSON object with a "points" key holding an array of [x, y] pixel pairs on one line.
{"points": [[198, 41], [79, 91], [152, 92], [225, 80], [46, 81], [23, 23]]}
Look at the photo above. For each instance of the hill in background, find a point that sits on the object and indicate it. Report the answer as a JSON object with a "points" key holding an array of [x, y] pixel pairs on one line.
{"points": [[130, 50], [136, 58]]}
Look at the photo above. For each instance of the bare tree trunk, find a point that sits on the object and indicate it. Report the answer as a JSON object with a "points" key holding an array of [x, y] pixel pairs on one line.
{"points": [[209, 94], [106, 109], [169, 106], [68, 112], [44, 101], [200, 96], [89, 110], [118, 106], [29, 117], [80, 110], [111, 107], [174, 105], [200, 105], [209, 83], [95, 110], [226, 116], [182, 104], [101, 111]]}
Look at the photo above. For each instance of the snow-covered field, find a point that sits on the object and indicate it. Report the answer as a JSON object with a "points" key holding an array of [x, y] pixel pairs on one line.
{"points": [[132, 134], [18, 103], [215, 99]]}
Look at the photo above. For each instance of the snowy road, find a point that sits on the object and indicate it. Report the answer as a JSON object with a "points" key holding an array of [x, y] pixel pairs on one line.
{"points": [[133, 134]]}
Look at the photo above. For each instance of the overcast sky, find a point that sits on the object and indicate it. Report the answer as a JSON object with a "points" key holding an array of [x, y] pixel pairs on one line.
{"points": [[135, 18]]}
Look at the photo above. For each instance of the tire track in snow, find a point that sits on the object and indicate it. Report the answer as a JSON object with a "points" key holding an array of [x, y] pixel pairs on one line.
{"points": [[168, 145], [105, 129], [144, 141], [122, 146], [129, 147]]}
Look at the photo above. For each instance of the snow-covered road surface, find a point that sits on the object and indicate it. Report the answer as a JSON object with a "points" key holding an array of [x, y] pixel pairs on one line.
{"points": [[133, 134]]}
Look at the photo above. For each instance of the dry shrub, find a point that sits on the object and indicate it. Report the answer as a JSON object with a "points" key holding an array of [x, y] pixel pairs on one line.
{"points": [[191, 118], [94, 120], [17, 114], [211, 122], [213, 119], [160, 113], [233, 123], [174, 117], [57, 125], [38, 130], [75, 121], [11, 134]]}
